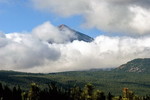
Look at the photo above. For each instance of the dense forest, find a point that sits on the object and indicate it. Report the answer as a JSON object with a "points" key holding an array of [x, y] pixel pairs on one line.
{"points": [[107, 81], [56, 92]]}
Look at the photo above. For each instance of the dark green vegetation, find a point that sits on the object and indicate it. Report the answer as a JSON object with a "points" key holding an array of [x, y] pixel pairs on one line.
{"points": [[134, 75], [136, 65], [107, 81], [55, 92]]}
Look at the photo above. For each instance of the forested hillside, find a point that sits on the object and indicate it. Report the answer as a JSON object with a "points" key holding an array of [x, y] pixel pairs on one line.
{"points": [[107, 81], [141, 65]]}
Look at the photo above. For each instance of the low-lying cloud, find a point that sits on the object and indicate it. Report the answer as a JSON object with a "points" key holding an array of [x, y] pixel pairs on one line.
{"points": [[123, 16], [31, 51], [50, 33]]}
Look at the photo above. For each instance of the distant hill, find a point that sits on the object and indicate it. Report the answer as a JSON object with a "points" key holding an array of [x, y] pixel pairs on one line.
{"points": [[78, 35], [136, 65]]}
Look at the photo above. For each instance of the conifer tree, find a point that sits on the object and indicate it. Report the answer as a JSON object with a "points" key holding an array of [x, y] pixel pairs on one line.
{"points": [[87, 92], [75, 93], [34, 92], [7, 94], [1, 91], [109, 97]]}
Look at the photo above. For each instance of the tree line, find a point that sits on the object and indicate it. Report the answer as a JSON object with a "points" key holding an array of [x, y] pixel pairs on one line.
{"points": [[56, 92]]}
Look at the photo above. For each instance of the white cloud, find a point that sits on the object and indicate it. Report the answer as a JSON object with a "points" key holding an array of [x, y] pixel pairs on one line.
{"points": [[125, 16], [23, 51], [26, 52], [104, 52], [47, 32], [141, 21], [62, 7]]}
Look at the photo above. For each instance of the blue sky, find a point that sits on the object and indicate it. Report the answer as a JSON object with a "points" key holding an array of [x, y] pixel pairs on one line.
{"points": [[20, 16], [94, 17], [120, 27]]}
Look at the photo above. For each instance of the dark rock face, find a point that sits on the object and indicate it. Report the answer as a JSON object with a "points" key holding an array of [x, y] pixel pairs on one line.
{"points": [[78, 36]]}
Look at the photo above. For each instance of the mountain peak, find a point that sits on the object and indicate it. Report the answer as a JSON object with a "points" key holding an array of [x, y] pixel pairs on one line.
{"points": [[62, 26], [78, 35]]}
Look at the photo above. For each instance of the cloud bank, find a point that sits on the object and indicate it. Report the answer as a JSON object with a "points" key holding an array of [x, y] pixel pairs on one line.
{"points": [[31, 52], [50, 33], [123, 16]]}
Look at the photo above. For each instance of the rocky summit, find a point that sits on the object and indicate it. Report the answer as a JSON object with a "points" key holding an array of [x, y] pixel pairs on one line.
{"points": [[78, 35]]}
